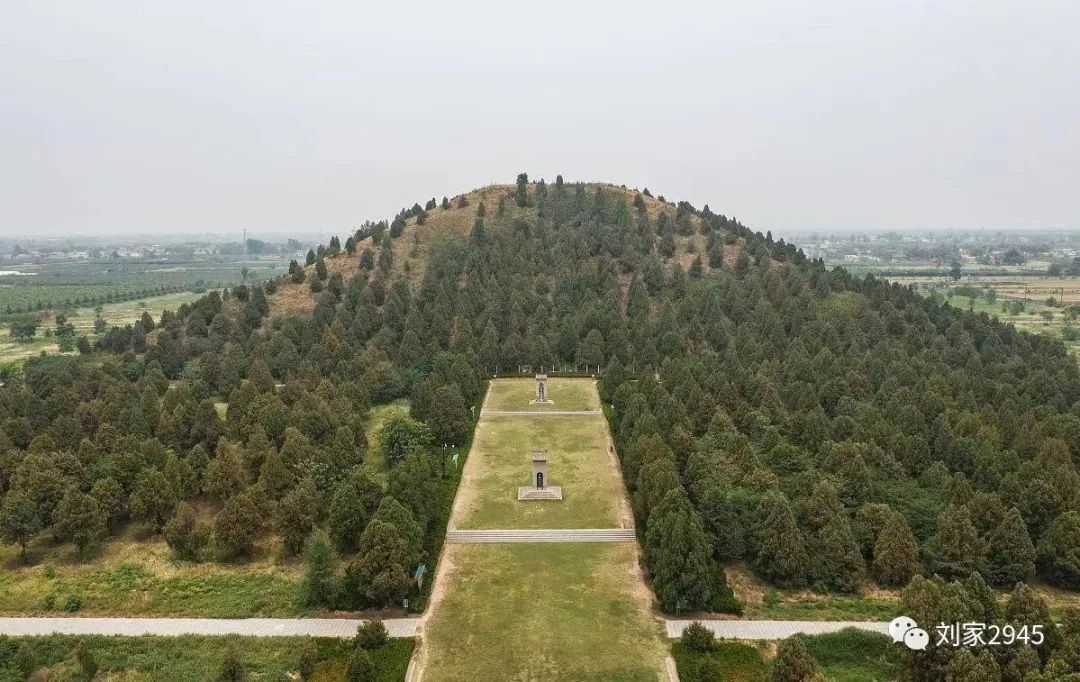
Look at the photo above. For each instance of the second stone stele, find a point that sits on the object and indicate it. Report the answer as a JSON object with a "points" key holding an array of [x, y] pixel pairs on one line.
{"points": [[539, 490]]}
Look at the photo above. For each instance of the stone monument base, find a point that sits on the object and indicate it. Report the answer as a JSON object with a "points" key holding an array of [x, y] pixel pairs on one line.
{"points": [[551, 492], [541, 402]]}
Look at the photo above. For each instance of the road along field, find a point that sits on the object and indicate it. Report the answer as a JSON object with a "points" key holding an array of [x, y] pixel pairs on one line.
{"points": [[567, 610]]}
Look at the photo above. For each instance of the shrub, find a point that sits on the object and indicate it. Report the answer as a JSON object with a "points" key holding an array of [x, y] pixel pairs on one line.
{"points": [[371, 634], [361, 667], [73, 603], [699, 638], [85, 658]]}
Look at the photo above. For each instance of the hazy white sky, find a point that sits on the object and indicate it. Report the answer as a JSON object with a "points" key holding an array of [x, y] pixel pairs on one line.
{"points": [[154, 117]]}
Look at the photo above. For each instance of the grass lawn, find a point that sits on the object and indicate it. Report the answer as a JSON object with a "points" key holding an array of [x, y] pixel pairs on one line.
{"points": [[855, 656], [196, 658], [845, 656], [578, 461], [738, 663], [564, 611], [567, 394], [129, 576], [762, 602]]}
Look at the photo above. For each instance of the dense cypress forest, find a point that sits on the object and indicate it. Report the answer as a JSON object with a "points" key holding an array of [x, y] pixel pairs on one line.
{"points": [[828, 430]]}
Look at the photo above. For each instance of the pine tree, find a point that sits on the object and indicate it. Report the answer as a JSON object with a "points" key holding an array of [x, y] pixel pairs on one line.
{"points": [[354, 501], [296, 514], [236, 526], [319, 562], [967, 666], [79, 519], [274, 476], [956, 550], [781, 557], [842, 564], [679, 555], [521, 195], [20, 520], [185, 533], [896, 553], [1059, 551], [1012, 554], [379, 575], [153, 499]]}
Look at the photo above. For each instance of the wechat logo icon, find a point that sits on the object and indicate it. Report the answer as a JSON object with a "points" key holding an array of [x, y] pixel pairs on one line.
{"points": [[906, 630]]}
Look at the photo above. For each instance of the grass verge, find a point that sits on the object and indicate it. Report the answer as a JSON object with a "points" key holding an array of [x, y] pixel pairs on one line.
{"points": [[193, 658]]}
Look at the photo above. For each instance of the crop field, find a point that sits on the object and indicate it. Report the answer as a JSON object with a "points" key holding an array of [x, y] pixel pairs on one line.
{"points": [[1040, 305], [84, 283], [83, 319]]}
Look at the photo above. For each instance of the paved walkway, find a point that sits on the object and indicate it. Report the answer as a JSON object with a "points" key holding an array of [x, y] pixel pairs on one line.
{"points": [[772, 629], [169, 627], [553, 535], [534, 413]]}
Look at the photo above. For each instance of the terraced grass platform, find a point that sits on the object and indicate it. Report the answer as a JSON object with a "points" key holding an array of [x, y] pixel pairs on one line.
{"points": [[512, 395], [578, 461], [544, 612], [530, 598]]}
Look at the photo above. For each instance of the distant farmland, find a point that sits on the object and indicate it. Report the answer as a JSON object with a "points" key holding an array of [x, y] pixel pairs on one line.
{"points": [[50, 286]]}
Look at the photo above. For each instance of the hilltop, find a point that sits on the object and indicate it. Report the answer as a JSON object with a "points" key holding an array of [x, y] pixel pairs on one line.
{"points": [[454, 218]]}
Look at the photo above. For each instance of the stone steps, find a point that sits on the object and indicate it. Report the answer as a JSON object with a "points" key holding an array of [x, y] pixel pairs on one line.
{"points": [[544, 535]]}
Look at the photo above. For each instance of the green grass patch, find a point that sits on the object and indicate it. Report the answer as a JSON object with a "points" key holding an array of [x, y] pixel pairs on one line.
{"points": [[846, 656], [735, 662], [131, 577], [197, 658], [500, 462], [565, 394], [567, 611], [855, 655], [825, 607]]}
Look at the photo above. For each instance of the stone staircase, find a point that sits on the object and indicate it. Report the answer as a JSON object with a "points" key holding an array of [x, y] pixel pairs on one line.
{"points": [[545, 535]]}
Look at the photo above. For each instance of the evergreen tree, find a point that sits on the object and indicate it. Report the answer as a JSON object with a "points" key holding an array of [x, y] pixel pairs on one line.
{"points": [[236, 526], [521, 195], [679, 555], [449, 416], [320, 561], [186, 534], [1012, 555], [354, 501], [781, 550], [793, 662], [153, 500], [20, 520], [842, 565], [379, 576], [78, 519], [967, 666], [296, 514], [1059, 551], [896, 553], [956, 550]]}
